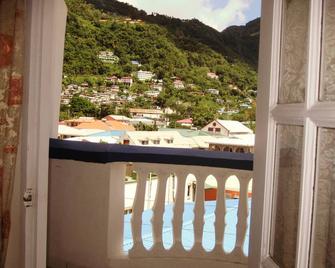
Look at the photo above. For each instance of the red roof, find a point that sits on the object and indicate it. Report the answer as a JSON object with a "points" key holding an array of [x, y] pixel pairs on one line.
{"points": [[185, 121]]}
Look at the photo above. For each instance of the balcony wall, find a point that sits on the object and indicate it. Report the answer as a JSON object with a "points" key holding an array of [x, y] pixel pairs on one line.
{"points": [[86, 205]]}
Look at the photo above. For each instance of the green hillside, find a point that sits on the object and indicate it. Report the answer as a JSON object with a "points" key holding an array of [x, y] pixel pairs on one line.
{"points": [[166, 53], [235, 43]]}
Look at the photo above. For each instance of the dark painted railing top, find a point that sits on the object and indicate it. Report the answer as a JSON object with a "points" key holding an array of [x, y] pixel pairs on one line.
{"points": [[108, 153]]}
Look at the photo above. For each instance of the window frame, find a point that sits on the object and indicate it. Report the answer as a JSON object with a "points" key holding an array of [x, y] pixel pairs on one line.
{"points": [[312, 114], [44, 49]]}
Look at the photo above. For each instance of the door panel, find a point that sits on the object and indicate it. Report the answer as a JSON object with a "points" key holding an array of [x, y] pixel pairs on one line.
{"points": [[294, 51], [286, 196], [324, 226]]}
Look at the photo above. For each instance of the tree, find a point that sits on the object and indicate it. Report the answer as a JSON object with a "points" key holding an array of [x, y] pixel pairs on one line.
{"points": [[144, 127], [204, 112], [80, 106], [106, 109]]}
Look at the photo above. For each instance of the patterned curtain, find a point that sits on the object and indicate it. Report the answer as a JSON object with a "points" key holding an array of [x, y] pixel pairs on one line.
{"points": [[11, 89]]}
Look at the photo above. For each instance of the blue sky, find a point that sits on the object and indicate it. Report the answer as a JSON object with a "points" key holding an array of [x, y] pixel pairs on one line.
{"points": [[218, 14]]}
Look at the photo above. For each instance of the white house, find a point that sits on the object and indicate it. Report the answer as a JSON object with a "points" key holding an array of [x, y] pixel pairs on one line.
{"points": [[178, 84], [171, 139], [157, 86], [213, 91], [144, 75], [237, 143], [108, 56], [212, 75], [152, 93], [187, 122], [227, 128]]}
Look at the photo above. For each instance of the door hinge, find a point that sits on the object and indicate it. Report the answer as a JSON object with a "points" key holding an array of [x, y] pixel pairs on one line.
{"points": [[28, 198]]}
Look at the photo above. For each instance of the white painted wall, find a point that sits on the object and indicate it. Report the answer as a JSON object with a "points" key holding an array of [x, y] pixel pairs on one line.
{"points": [[78, 214]]}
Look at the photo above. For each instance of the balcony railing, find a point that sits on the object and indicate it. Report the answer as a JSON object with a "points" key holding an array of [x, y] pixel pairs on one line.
{"points": [[86, 205]]}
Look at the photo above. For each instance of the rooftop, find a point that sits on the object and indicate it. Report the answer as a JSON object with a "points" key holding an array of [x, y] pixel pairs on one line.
{"points": [[234, 126]]}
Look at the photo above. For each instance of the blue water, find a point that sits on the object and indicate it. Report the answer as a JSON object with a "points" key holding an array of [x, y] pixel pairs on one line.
{"points": [[208, 241]]}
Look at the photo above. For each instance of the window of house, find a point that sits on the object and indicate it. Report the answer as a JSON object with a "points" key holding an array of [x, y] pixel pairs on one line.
{"points": [[210, 129], [240, 150], [218, 129], [156, 141], [144, 142], [169, 141]]}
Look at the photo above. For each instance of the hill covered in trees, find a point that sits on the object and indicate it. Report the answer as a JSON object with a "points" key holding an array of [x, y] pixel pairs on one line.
{"points": [[168, 47], [235, 43]]}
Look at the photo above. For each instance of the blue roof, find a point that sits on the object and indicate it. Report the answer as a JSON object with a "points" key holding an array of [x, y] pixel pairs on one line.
{"points": [[208, 241], [112, 133]]}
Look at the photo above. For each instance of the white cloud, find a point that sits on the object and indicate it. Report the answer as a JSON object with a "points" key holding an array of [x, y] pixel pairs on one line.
{"points": [[233, 13]]}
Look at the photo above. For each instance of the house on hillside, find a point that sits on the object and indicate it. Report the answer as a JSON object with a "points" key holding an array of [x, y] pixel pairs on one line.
{"points": [[146, 113], [120, 118], [136, 63], [152, 94], [127, 80], [145, 75], [108, 57], [187, 122], [178, 84], [112, 79], [213, 91], [157, 86], [227, 128], [212, 75], [76, 121]]}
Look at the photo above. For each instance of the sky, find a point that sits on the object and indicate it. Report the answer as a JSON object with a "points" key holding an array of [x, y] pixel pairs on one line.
{"points": [[218, 14]]}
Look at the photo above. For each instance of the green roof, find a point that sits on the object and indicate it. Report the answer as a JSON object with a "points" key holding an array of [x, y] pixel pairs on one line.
{"points": [[187, 132]]}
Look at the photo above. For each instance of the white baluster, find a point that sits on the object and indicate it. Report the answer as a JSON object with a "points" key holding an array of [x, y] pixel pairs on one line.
{"points": [[136, 220], [220, 214], [178, 211], [242, 215], [199, 209], [158, 211]]}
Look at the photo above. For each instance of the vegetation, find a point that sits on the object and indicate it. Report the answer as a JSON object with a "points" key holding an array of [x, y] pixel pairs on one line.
{"points": [[166, 46], [235, 43]]}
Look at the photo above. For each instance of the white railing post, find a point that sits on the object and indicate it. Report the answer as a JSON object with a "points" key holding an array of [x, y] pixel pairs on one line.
{"points": [[178, 210], [199, 211], [220, 213], [242, 214], [138, 207], [158, 211], [116, 211]]}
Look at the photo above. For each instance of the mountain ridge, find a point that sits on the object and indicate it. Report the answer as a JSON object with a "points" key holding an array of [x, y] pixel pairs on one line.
{"points": [[234, 42]]}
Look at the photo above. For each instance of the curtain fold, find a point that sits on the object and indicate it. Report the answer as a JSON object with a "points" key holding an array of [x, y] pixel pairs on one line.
{"points": [[11, 91]]}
